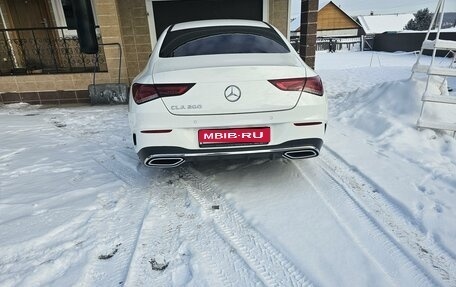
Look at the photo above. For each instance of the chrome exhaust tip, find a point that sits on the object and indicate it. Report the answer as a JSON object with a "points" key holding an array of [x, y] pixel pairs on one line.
{"points": [[300, 154], [164, 162]]}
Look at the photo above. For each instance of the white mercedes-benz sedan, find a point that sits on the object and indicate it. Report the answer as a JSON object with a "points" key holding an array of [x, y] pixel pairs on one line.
{"points": [[225, 88]]}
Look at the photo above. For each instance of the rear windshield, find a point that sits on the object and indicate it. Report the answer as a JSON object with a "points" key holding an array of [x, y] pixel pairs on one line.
{"points": [[222, 40]]}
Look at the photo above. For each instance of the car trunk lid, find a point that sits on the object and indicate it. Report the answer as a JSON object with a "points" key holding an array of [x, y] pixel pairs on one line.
{"points": [[229, 84]]}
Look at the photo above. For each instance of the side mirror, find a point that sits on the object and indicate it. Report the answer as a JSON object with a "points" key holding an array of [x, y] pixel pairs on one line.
{"points": [[85, 26]]}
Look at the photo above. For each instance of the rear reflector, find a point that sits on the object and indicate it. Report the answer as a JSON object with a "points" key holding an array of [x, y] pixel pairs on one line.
{"points": [[307, 124], [156, 131], [147, 92], [311, 85]]}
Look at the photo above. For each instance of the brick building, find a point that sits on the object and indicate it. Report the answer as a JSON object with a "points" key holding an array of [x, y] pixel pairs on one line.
{"points": [[40, 62]]}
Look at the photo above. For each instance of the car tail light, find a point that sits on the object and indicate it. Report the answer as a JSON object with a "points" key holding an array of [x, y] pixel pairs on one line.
{"points": [[169, 90], [314, 86], [311, 85], [147, 92], [143, 93], [289, 84]]}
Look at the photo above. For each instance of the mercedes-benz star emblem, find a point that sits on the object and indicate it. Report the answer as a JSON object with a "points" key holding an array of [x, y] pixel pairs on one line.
{"points": [[232, 93]]}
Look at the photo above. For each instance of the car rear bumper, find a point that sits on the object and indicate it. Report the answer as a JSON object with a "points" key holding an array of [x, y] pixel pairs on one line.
{"points": [[170, 156]]}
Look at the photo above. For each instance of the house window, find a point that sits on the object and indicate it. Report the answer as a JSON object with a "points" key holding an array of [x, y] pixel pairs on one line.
{"points": [[35, 39]]}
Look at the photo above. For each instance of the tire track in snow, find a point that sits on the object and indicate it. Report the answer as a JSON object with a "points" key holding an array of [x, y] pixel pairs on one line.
{"points": [[113, 226], [116, 231], [230, 268], [395, 263], [245, 276], [158, 238], [174, 233], [357, 184], [179, 235], [271, 265]]}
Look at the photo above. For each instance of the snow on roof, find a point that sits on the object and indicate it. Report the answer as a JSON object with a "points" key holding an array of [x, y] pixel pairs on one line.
{"points": [[377, 24], [445, 30], [331, 3]]}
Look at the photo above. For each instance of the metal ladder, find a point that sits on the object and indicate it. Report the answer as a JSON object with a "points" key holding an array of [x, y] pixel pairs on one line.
{"points": [[434, 69]]}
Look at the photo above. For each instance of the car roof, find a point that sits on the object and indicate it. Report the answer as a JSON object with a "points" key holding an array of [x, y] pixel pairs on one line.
{"points": [[218, 22]]}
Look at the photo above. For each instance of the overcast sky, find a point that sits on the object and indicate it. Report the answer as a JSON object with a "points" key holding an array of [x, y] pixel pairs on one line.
{"points": [[364, 7]]}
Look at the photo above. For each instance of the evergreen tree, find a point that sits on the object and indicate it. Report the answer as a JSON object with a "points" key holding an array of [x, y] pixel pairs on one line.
{"points": [[421, 22]]}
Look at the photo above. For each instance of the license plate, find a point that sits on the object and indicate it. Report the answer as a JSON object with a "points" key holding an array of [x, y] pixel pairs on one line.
{"points": [[235, 136]]}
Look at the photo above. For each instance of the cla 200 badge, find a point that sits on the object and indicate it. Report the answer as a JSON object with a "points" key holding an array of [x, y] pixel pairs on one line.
{"points": [[187, 107]]}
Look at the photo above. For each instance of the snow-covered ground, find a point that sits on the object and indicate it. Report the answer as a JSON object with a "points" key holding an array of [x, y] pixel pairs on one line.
{"points": [[377, 208]]}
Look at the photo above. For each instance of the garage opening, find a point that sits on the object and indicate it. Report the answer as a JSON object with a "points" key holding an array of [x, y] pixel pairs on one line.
{"points": [[166, 13]]}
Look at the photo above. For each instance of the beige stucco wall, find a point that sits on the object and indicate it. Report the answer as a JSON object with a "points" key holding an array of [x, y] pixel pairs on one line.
{"points": [[108, 19], [135, 34], [278, 15]]}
